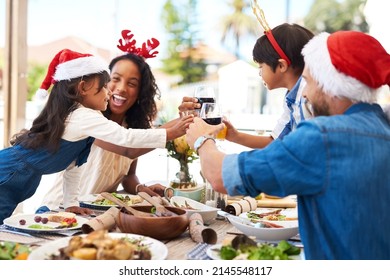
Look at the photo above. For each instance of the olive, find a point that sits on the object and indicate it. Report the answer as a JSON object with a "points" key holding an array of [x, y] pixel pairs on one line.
{"points": [[22, 222], [44, 220], [37, 219]]}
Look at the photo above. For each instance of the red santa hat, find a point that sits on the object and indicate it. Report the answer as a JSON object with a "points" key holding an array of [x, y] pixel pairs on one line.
{"points": [[69, 64], [348, 64]]}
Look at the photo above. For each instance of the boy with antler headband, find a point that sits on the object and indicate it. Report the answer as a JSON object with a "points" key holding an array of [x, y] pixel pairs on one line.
{"points": [[278, 54]]}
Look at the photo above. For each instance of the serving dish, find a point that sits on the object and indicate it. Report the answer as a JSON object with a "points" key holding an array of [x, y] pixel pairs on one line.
{"points": [[281, 230], [192, 206]]}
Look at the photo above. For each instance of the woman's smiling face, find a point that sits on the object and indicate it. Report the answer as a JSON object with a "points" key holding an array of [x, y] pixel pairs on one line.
{"points": [[124, 86]]}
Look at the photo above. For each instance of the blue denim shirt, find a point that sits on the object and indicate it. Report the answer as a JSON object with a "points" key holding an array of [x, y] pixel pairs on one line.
{"points": [[339, 167]]}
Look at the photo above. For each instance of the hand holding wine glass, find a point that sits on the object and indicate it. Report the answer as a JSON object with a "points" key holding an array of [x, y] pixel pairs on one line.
{"points": [[211, 114], [204, 94]]}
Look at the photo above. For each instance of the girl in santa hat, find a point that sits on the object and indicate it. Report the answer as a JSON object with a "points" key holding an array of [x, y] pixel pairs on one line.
{"points": [[61, 136], [132, 105]]}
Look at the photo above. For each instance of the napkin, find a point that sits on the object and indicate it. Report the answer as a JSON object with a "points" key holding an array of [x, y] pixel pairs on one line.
{"points": [[199, 252], [106, 221], [199, 232], [245, 204]]}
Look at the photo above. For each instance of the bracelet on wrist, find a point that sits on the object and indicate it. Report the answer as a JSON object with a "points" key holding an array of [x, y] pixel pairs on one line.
{"points": [[137, 187]]}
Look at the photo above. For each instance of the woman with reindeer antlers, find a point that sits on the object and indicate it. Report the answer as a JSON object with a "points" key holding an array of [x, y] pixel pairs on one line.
{"points": [[132, 105]]}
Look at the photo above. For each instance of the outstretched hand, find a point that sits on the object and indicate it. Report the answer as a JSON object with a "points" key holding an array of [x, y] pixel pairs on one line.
{"points": [[199, 128], [179, 126], [232, 132], [157, 190], [189, 104], [80, 210]]}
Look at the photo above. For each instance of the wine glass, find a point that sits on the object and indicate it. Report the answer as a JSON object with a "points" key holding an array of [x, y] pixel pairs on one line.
{"points": [[211, 113], [204, 94]]}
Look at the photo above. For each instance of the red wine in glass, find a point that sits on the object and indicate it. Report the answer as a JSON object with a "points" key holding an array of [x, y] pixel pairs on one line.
{"points": [[213, 121]]}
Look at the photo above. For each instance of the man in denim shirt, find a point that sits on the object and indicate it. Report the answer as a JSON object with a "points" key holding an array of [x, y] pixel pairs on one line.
{"points": [[338, 163]]}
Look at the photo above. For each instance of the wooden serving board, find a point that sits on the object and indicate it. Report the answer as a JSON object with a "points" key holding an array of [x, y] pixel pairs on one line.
{"points": [[285, 202]]}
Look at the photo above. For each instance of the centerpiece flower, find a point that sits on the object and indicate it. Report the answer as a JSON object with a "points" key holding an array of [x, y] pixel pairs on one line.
{"points": [[180, 150]]}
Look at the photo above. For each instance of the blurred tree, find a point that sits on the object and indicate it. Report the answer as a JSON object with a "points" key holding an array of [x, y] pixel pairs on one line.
{"points": [[182, 31], [333, 15], [239, 24], [36, 74]]}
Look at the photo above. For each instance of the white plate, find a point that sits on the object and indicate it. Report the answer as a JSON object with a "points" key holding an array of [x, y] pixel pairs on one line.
{"points": [[158, 249], [288, 212], [213, 251], [207, 212], [87, 200], [13, 222], [290, 229]]}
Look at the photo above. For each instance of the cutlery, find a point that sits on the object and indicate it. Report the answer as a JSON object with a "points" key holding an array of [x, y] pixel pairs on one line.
{"points": [[160, 209], [240, 220]]}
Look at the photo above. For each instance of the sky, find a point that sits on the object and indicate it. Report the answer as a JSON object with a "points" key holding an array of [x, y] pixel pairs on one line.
{"points": [[100, 21]]}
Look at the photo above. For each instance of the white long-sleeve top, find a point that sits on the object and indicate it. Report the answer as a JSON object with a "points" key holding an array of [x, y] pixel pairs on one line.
{"points": [[85, 122]]}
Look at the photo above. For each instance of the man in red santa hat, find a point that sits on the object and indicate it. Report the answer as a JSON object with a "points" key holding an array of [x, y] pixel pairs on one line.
{"points": [[337, 163]]}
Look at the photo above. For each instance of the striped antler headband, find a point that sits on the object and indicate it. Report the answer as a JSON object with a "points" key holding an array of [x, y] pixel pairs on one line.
{"points": [[259, 13], [128, 44]]}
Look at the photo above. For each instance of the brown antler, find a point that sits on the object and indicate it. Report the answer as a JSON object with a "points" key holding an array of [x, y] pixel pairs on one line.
{"points": [[127, 44]]}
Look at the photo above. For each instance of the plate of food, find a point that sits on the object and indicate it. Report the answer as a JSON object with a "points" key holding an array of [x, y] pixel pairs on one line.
{"points": [[271, 215], [102, 245], [263, 228], [244, 248], [192, 206], [44, 223], [13, 251], [96, 201]]}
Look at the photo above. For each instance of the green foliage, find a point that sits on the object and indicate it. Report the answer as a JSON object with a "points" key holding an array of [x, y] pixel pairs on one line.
{"points": [[241, 23], [333, 15], [182, 30], [36, 74]]}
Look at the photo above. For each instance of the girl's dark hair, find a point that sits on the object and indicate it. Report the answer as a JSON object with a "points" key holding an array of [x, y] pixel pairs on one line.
{"points": [[47, 129], [291, 38], [144, 111]]}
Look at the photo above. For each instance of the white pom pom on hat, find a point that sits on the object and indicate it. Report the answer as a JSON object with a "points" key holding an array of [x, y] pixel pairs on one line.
{"points": [[348, 64], [68, 64]]}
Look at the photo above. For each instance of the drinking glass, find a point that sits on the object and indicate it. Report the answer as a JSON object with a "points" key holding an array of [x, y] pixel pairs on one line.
{"points": [[204, 94], [211, 114]]}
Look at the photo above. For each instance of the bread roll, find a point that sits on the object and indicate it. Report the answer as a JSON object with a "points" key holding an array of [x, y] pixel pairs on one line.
{"points": [[60, 216]]}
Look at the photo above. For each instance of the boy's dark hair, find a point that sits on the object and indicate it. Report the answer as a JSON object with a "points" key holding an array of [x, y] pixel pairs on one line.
{"points": [[144, 111], [47, 129], [291, 38]]}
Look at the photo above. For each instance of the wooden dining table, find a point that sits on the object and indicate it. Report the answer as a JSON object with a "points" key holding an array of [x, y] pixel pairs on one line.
{"points": [[178, 248]]}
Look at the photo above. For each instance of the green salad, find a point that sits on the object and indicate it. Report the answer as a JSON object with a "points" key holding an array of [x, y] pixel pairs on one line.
{"points": [[262, 251], [105, 202]]}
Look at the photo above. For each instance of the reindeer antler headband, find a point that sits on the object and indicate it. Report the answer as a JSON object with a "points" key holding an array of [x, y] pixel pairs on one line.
{"points": [[127, 44], [259, 13]]}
